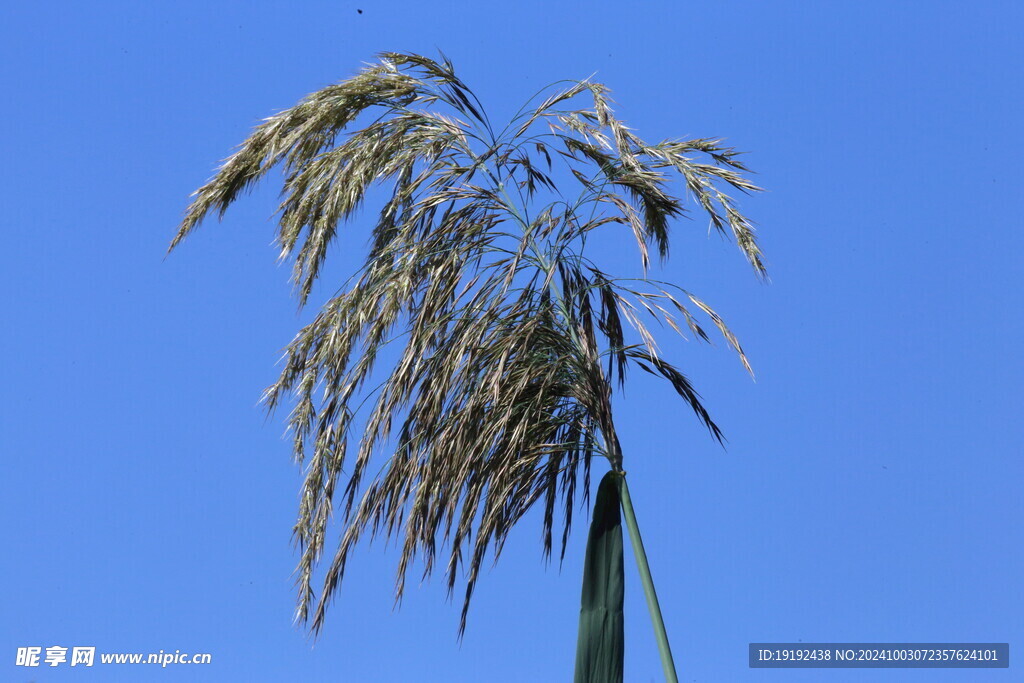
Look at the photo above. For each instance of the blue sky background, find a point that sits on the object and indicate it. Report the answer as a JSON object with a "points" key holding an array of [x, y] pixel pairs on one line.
{"points": [[870, 490]]}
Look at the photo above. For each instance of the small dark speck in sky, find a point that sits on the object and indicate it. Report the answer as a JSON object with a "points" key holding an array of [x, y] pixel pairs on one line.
{"points": [[360, 11]]}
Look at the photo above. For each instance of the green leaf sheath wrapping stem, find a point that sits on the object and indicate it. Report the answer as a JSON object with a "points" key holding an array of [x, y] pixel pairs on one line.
{"points": [[601, 642]]}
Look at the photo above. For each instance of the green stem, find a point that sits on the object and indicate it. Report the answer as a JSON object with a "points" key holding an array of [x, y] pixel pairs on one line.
{"points": [[645, 577]]}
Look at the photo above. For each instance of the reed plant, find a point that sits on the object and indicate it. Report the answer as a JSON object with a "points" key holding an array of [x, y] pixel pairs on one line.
{"points": [[465, 373]]}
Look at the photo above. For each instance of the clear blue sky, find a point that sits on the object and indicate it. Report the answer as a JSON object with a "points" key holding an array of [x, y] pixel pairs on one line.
{"points": [[870, 490]]}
